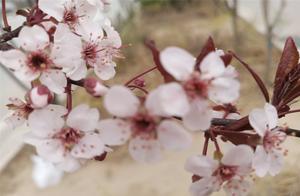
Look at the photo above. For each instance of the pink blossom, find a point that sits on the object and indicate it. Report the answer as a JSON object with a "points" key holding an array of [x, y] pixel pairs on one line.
{"points": [[144, 124], [98, 51], [66, 143], [21, 111], [32, 60], [268, 157], [70, 12], [230, 172], [214, 81]]}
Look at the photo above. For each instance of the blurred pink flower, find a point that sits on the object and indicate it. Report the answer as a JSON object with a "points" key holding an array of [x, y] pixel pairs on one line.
{"points": [[268, 157], [231, 172], [145, 125], [66, 143]]}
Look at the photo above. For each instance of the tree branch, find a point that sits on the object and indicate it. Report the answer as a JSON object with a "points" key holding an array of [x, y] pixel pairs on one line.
{"points": [[225, 122]]}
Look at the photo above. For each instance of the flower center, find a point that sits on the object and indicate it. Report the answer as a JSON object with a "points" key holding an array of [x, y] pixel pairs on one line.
{"points": [[70, 17], [69, 137], [143, 124], [273, 139], [226, 172], [195, 87], [90, 53], [38, 61]]}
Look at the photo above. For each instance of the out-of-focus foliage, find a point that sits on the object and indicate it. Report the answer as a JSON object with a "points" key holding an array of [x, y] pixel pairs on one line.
{"points": [[178, 4]]}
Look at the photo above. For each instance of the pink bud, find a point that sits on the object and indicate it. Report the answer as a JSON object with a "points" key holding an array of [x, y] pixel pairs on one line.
{"points": [[94, 87], [140, 82], [39, 96]]}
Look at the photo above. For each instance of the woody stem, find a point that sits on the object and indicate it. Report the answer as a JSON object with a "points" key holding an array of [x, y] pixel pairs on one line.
{"points": [[4, 17], [140, 75]]}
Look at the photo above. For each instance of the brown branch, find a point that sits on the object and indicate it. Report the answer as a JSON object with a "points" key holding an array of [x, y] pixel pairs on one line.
{"points": [[225, 122], [4, 17], [10, 35]]}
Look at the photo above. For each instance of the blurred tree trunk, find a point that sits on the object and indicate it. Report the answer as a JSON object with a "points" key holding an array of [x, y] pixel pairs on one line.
{"points": [[234, 14], [269, 27]]}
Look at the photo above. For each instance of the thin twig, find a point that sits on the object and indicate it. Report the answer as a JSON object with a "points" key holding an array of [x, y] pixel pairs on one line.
{"points": [[140, 75], [4, 16], [224, 122]]}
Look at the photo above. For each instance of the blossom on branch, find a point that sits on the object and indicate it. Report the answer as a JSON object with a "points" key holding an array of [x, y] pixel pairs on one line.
{"points": [[230, 172], [268, 157], [143, 123], [65, 143], [212, 80]]}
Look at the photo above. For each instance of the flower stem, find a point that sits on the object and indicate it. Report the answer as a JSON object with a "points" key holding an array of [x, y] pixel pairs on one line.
{"points": [[69, 96], [4, 17], [214, 139], [140, 88], [205, 146], [139, 75]]}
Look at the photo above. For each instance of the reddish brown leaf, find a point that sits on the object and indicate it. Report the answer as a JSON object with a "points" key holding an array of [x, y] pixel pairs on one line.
{"points": [[208, 47], [289, 59], [226, 59], [155, 53], [256, 77]]}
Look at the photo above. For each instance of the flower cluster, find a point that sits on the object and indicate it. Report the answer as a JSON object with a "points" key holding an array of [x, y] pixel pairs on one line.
{"points": [[62, 41]]}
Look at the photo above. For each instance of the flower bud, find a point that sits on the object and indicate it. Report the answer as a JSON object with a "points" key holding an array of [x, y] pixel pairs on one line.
{"points": [[94, 87], [39, 96], [140, 82]]}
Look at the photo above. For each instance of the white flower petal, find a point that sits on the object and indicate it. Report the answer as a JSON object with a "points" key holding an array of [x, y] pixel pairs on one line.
{"points": [[120, 101], [105, 72], [145, 150], [55, 80], [44, 173], [47, 121], [83, 118], [199, 117], [237, 187], [27, 74], [69, 164], [177, 62], [240, 155], [276, 163], [153, 103], [224, 90], [91, 31], [114, 131], [54, 8], [77, 73], [51, 150], [173, 136], [261, 161], [258, 121], [89, 146], [202, 166], [13, 59], [15, 120], [173, 99], [204, 187], [32, 38], [212, 66], [271, 114], [113, 36]]}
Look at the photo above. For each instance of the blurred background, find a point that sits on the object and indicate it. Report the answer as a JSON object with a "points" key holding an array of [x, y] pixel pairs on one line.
{"points": [[254, 29]]}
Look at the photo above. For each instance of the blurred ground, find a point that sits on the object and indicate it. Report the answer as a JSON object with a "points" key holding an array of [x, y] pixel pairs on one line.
{"points": [[119, 175]]}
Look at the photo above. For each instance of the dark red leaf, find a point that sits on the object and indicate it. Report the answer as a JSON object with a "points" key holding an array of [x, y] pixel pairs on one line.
{"points": [[289, 59], [255, 76], [155, 53], [208, 47], [226, 59]]}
